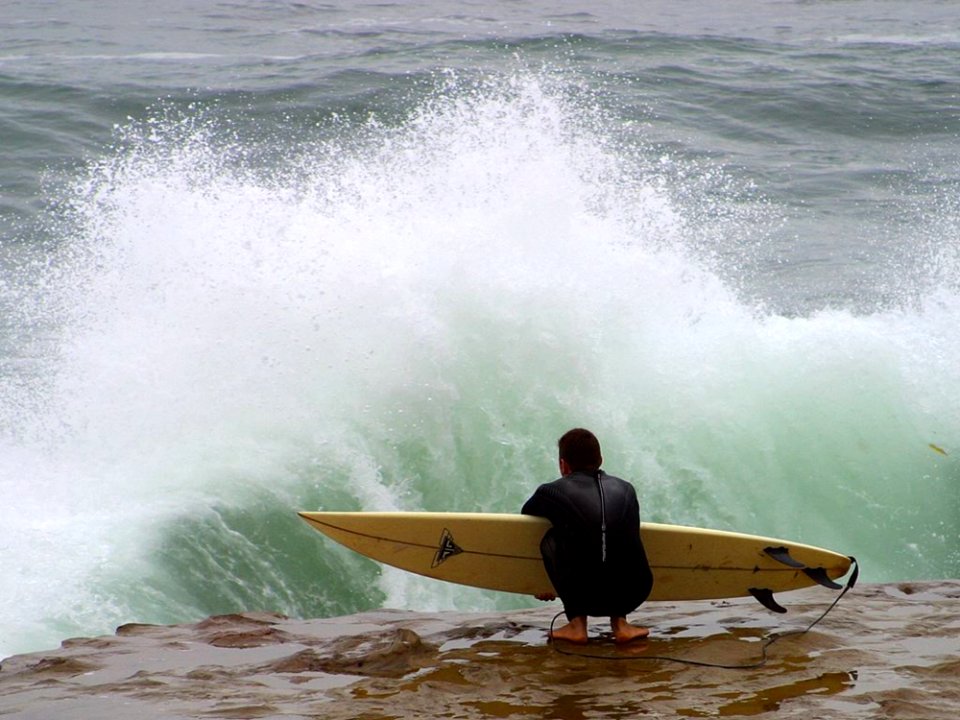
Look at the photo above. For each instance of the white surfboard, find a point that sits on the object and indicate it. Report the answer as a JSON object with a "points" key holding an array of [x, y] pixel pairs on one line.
{"points": [[502, 552]]}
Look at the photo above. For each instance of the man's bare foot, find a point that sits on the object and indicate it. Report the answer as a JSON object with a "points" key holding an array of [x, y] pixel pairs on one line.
{"points": [[574, 631], [624, 632]]}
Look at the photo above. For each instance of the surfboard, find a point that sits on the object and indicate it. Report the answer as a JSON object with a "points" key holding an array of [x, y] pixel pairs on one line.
{"points": [[502, 552]]}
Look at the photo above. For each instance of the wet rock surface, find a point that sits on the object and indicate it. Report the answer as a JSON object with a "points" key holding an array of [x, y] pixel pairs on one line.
{"points": [[888, 651]]}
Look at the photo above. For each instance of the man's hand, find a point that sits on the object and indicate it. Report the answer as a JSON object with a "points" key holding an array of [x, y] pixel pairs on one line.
{"points": [[546, 597]]}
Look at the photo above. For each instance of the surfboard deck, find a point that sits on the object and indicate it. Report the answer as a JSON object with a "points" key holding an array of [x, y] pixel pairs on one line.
{"points": [[502, 552]]}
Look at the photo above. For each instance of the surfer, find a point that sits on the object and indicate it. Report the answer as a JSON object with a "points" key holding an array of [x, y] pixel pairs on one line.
{"points": [[593, 553]]}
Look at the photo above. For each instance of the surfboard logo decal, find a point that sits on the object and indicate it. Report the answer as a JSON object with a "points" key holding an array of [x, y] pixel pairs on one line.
{"points": [[448, 548]]}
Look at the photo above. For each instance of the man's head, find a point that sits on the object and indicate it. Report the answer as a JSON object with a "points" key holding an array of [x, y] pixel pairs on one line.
{"points": [[579, 452]]}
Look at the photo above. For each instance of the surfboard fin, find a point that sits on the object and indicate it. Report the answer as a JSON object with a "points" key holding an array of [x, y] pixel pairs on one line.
{"points": [[765, 598], [819, 576], [782, 555]]}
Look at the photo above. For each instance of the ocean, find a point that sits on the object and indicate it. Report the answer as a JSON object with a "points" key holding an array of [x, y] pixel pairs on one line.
{"points": [[261, 257]]}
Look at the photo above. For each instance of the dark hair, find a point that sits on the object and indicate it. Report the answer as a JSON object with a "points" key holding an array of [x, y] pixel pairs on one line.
{"points": [[581, 449]]}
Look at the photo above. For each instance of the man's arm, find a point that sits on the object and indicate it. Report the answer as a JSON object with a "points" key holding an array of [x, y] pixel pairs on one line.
{"points": [[541, 503]]}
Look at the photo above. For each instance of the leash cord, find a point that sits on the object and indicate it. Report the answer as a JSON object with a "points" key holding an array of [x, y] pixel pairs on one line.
{"points": [[770, 640]]}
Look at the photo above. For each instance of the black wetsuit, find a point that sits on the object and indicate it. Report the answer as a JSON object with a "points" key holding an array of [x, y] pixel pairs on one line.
{"points": [[595, 572]]}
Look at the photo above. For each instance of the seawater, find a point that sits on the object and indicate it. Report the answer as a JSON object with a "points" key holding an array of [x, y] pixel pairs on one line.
{"points": [[350, 260]]}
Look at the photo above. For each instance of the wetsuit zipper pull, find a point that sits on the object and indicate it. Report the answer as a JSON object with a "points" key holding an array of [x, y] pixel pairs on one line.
{"points": [[603, 521]]}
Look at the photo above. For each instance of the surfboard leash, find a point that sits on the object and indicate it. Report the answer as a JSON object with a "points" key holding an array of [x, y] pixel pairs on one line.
{"points": [[768, 641]]}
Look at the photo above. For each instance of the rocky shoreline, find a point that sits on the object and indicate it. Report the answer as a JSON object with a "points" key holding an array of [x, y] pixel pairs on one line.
{"points": [[887, 650]]}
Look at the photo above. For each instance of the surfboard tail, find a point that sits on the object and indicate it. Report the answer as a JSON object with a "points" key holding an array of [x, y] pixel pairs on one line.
{"points": [[819, 575]]}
